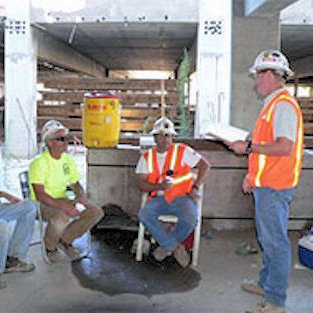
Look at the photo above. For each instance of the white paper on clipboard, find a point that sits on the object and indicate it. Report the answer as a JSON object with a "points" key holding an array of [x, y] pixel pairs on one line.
{"points": [[226, 132]]}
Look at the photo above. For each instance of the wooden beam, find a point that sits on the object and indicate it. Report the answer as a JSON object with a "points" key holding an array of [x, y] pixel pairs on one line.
{"points": [[305, 102], [127, 112], [53, 110], [107, 84], [308, 128], [127, 98], [76, 123]]}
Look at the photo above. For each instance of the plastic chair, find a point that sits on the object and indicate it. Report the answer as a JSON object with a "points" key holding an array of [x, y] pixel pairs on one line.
{"points": [[174, 219]]}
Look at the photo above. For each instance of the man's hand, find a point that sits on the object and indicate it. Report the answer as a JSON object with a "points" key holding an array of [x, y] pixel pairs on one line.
{"points": [[81, 195], [145, 185], [11, 198], [83, 199], [246, 187], [194, 194], [68, 207], [239, 146], [167, 184]]}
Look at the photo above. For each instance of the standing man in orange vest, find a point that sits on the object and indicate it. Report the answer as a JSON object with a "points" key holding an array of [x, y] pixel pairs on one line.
{"points": [[275, 157], [164, 172]]}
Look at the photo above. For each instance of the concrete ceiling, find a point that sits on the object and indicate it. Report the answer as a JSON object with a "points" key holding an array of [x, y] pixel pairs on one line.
{"points": [[154, 46], [128, 45], [297, 41]]}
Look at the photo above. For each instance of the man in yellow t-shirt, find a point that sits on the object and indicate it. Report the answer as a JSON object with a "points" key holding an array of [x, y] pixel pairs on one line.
{"points": [[49, 175]]}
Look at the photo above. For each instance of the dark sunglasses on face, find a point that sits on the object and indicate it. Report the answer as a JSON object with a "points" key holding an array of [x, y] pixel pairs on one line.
{"points": [[62, 138]]}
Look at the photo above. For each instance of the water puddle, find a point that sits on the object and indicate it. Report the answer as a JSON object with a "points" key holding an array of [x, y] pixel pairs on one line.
{"points": [[112, 269]]}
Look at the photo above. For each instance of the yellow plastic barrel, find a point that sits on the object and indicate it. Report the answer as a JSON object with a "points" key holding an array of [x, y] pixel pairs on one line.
{"points": [[101, 120]]}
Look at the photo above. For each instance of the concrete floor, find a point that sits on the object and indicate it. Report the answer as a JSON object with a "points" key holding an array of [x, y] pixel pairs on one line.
{"points": [[55, 288]]}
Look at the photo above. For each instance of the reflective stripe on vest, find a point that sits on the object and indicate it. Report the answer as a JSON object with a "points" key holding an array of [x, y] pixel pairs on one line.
{"points": [[261, 163], [182, 179], [299, 153], [173, 159], [149, 161]]}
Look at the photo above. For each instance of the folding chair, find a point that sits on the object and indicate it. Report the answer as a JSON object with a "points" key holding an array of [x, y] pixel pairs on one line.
{"points": [[24, 183], [174, 219]]}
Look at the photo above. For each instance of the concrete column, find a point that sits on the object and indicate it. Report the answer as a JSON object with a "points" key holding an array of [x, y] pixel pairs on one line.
{"points": [[20, 81], [251, 35], [213, 64]]}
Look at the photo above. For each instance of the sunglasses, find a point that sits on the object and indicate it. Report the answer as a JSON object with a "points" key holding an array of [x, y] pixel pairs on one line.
{"points": [[62, 138]]}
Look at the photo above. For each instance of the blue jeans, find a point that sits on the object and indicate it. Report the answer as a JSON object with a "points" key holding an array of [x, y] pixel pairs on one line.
{"points": [[24, 213], [182, 207], [271, 217]]}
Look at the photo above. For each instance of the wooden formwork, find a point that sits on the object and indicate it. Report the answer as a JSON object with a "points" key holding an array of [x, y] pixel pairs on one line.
{"points": [[140, 99], [306, 105]]}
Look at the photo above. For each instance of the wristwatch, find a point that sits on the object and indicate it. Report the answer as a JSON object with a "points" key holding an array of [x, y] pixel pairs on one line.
{"points": [[249, 147]]}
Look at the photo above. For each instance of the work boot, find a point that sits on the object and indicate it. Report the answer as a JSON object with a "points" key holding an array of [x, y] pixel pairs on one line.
{"points": [[160, 254], [54, 255], [15, 265], [182, 256], [266, 308], [2, 282], [253, 288], [70, 251]]}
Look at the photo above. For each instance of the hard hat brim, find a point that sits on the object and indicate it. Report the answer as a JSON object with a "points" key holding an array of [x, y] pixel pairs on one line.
{"points": [[48, 135], [255, 69], [162, 132]]}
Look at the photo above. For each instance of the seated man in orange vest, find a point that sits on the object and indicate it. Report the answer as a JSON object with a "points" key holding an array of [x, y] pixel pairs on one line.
{"points": [[164, 172]]}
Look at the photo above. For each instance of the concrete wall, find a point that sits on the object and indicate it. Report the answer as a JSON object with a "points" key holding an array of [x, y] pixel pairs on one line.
{"points": [[250, 36], [111, 179]]}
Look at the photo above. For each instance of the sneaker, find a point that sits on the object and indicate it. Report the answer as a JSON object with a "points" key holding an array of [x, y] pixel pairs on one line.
{"points": [[182, 256], [70, 251], [15, 265], [160, 254], [2, 282], [253, 288], [54, 255], [266, 308]]}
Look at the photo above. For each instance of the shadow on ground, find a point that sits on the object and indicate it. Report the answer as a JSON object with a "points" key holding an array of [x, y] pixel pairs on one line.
{"points": [[111, 269]]}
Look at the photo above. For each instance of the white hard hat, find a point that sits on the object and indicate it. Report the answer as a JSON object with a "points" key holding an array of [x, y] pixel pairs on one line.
{"points": [[51, 127], [272, 60], [163, 126]]}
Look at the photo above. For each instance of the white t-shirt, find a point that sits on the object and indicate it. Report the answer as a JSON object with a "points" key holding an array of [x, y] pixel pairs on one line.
{"points": [[190, 158]]}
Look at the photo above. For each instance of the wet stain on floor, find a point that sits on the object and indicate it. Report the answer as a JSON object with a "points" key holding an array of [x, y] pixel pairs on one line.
{"points": [[112, 269]]}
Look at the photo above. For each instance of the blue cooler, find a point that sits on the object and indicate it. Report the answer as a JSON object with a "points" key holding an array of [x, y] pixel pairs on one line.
{"points": [[305, 250]]}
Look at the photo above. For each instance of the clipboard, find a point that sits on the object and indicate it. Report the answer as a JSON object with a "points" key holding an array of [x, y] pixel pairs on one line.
{"points": [[225, 132]]}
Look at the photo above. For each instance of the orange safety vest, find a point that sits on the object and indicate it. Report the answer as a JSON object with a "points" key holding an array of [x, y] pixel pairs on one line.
{"points": [[277, 172], [181, 175]]}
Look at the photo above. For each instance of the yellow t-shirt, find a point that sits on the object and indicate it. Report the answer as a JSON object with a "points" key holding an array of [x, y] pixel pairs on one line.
{"points": [[54, 174]]}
